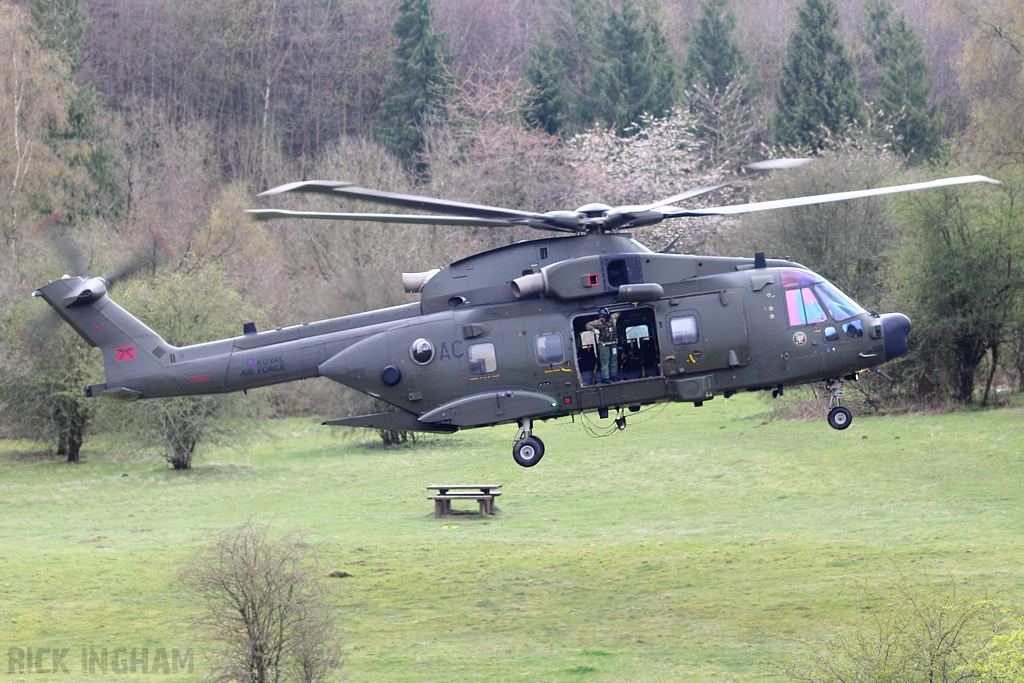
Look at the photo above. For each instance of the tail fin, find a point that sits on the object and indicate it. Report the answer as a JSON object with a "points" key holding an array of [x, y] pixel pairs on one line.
{"points": [[131, 350]]}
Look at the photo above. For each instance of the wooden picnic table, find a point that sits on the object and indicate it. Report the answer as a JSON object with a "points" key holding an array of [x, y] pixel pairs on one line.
{"points": [[484, 494]]}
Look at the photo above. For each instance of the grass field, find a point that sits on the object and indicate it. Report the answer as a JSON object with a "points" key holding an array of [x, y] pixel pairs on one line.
{"points": [[703, 544]]}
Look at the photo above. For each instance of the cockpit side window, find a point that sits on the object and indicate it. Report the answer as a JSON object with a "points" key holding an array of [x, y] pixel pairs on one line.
{"points": [[839, 306], [803, 307], [806, 308]]}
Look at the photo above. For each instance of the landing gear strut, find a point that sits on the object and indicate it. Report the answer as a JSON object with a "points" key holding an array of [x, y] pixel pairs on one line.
{"points": [[528, 449], [838, 416]]}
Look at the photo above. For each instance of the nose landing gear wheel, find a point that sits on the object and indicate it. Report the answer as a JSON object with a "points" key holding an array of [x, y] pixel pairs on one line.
{"points": [[839, 418], [528, 451]]}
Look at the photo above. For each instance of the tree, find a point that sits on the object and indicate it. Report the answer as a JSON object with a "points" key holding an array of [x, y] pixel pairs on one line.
{"points": [[35, 89], [185, 307], [39, 175], [88, 186], [654, 159], [875, 32], [634, 74], [903, 95], [45, 368], [991, 71], [961, 279], [61, 26], [265, 603], [817, 100], [713, 58], [417, 87], [718, 87], [559, 65], [921, 632], [547, 105], [484, 153]]}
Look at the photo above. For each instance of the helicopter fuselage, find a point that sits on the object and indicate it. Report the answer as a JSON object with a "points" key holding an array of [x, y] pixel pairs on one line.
{"points": [[502, 337]]}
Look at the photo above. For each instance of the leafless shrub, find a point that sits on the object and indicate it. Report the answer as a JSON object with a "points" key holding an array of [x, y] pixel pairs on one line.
{"points": [[264, 603]]}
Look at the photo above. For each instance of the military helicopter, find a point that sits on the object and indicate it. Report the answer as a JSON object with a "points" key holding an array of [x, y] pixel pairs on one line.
{"points": [[503, 336]]}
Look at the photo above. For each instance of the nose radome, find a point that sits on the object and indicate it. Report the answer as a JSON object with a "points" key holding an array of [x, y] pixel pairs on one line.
{"points": [[895, 328]]}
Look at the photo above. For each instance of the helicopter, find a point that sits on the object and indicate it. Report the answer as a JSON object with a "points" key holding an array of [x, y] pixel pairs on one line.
{"points": [[588, 320]]}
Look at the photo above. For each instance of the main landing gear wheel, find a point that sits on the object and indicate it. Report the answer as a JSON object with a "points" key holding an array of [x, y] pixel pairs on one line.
{"points": [[528, 449], [839, 418], [528, 452]]}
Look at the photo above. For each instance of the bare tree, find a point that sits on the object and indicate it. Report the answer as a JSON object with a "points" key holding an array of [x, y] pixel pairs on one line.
{"points": [[265, 604]]}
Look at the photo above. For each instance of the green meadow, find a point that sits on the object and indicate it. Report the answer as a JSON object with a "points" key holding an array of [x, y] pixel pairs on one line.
{"points": [[697, 544]]}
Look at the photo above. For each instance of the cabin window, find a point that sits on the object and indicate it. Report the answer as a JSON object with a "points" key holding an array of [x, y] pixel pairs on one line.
{"points": [[549, 349], [684, 330], [482, 359], [831, 333], [422, 351], [803, 307], [637, 332]]}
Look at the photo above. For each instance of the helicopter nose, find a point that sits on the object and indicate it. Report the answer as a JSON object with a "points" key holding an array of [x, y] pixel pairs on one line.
{"points": [[895, 328]]}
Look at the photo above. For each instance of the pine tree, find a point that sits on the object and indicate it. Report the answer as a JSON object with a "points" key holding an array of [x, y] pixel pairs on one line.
{"points": [[547, 106], [417, 88], [61, 26], [875, 33], [719, 89], [903, 95], [817, 97], [714, 59], [877, 23], [636, 74], [560, 64]]}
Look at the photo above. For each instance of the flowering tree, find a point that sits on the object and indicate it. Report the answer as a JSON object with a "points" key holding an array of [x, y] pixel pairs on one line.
{"points": [[659, 158]]}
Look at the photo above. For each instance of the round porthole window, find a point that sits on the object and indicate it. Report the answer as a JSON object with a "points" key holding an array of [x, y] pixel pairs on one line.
{"points": [[422, 351]]}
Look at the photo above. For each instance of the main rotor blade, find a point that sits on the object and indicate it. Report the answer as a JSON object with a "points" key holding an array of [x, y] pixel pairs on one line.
{"points": [[404, 200], [438, 205], [268, 214], [827, 198], [756, 167], [697, 191], [315, 186], [776, 164]]}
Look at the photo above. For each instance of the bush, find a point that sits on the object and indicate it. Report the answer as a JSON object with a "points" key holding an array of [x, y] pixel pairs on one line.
{"points": [[926, 632]]}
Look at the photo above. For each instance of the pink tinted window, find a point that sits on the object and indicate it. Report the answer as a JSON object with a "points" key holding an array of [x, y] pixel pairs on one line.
{"points": [[812, 309], [794, 276], [795, 307], [803, 307]]}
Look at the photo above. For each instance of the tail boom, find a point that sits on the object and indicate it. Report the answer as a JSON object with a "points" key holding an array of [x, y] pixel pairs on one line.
{"points": [[139, 363]]}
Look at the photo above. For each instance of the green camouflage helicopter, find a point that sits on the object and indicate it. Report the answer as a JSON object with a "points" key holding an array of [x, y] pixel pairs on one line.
{"points": [[592, 321]]}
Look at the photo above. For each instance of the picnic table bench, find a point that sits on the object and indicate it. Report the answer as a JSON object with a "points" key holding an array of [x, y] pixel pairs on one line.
{"points": [[484, 494]]}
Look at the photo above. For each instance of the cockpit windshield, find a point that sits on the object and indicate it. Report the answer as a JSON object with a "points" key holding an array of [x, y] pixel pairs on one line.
{"points": [[839, 306], [807, 292]]}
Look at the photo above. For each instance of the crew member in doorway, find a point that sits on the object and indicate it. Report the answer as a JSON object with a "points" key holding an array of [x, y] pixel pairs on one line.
{"points": [[607, 345]]}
